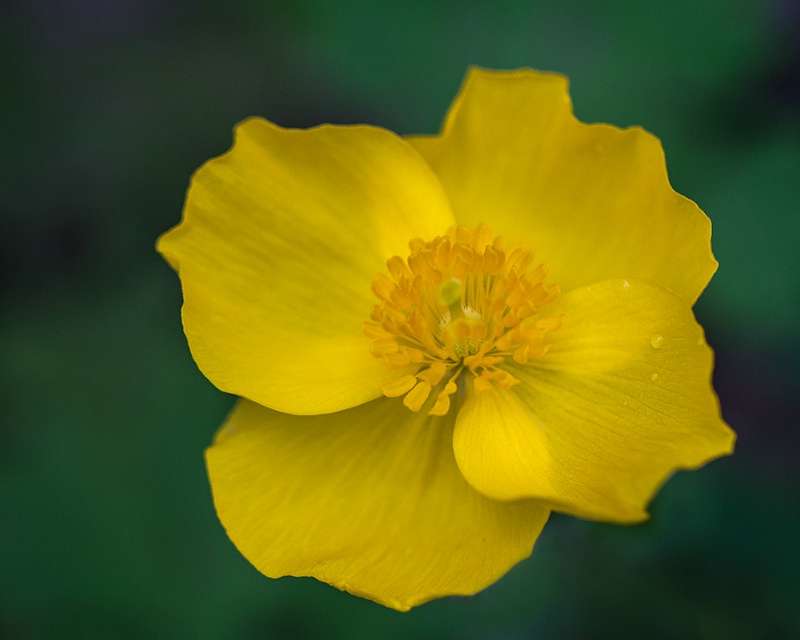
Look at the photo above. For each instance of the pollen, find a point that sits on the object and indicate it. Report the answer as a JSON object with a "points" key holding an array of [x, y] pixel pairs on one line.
{"points": [[455, 313]]}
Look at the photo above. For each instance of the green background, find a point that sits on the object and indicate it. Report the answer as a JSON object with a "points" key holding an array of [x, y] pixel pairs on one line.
{"points": [[107, 529]]}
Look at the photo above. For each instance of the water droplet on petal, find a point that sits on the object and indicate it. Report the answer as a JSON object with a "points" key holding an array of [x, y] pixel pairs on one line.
{"points": [[654, 376], [657, 341]]}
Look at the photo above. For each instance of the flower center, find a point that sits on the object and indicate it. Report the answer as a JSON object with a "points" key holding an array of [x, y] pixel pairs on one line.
{"points": [[458, 304]]}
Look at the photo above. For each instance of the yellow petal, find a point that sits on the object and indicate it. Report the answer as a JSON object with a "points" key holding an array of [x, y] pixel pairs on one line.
{"points": [[369, 500], [280, 241], [593, 201], [621, 400]]}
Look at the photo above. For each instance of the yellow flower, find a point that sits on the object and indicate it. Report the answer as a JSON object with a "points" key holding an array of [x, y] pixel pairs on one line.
{"points": [[417, 393]]}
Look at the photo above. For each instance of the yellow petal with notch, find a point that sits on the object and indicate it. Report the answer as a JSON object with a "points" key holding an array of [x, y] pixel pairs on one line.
{"points": [[594, 200]]}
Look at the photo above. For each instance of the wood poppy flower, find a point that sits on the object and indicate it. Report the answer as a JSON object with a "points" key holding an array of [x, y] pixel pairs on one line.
{"points": [[438, 340]]}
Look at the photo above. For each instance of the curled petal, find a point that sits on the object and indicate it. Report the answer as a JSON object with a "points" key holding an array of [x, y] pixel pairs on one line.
{"points": [[621, 400]]}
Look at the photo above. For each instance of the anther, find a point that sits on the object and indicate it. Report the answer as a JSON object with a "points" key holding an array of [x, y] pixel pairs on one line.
{"points": [[460, 304]]}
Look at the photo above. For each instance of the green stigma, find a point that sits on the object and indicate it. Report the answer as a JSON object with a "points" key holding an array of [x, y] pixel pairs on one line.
{"points": [[450, 295]]}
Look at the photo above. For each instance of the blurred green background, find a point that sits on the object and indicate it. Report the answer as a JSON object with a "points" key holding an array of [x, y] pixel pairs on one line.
{"points": [[107, 528]]}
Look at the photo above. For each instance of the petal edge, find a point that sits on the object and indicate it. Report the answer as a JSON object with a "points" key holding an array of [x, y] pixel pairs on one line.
{"points": [[280, 241], [369, 500]]}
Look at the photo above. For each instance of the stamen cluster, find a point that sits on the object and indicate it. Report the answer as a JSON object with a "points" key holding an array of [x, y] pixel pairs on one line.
{"points": [[458, 303]]}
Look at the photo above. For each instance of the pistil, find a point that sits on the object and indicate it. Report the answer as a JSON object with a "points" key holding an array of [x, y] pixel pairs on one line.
{"points": [[457, 304]]}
